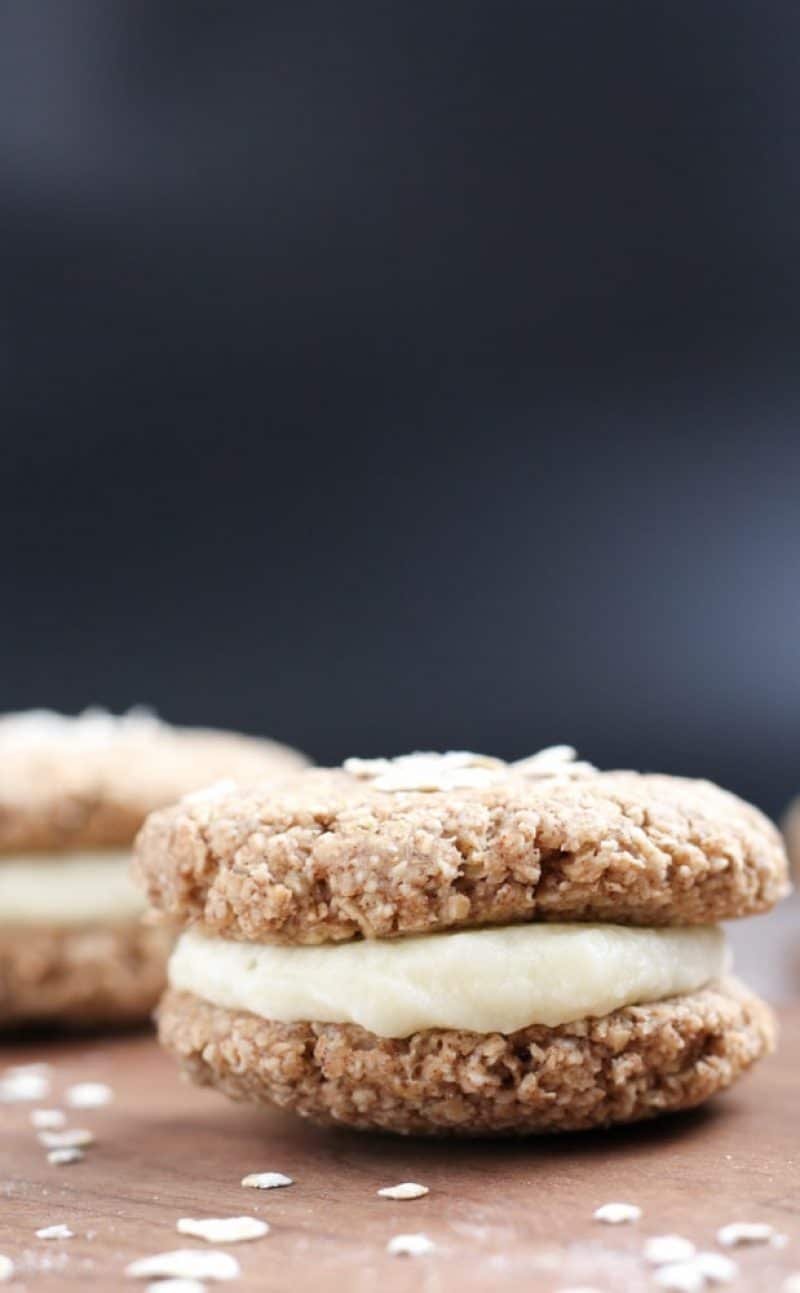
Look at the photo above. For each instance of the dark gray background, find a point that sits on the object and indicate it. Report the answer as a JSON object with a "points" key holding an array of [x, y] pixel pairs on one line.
{"points": [[388, 376]]}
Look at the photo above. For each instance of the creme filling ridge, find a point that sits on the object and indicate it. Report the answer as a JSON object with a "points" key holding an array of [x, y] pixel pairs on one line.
{"points": [[64, 889], [482, 980]]}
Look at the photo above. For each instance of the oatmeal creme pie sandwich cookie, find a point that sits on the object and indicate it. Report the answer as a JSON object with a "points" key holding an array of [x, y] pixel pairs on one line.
{"points": [[73, 793], [452, 944]]}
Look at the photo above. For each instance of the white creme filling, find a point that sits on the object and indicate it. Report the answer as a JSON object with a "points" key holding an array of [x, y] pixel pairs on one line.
{"points": [[484, 980], [68, 888]]}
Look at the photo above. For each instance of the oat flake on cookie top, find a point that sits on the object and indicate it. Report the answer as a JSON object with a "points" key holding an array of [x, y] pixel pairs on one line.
{"points": [[462, 769]]}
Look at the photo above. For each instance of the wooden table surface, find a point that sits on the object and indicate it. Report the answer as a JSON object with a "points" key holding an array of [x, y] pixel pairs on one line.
{"points": [[505, 1215]]}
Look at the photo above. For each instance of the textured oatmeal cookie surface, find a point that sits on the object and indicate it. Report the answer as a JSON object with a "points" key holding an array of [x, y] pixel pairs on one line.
{"points": [[89, 781], [633, 1064], [82, 975], [325, 855]]}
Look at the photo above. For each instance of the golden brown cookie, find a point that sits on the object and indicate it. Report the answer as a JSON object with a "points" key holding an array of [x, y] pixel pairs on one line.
{"points": [[330, 961], [88, 975], [629, 1065], [73, 793], [324, 855], [90, 781]]}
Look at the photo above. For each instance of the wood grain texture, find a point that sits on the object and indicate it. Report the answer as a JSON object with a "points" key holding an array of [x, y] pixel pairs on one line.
{"points": [[503, 1215]]}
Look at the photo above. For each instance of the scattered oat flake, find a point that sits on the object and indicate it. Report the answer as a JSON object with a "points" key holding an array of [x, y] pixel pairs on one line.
{"points": [[72, 1138], [616, 1214], [89, 1095], [176, 1286], [717, 1268], [266, 1180], [223, 1230], [18, 1086], [61, 1157], [48, 1119], [681, 1277], [581, 1288], [665, 1250], [405, 1190], [744, 1232], [6, 1269], [55, 1232], [410, 1246], [185, 1264]]}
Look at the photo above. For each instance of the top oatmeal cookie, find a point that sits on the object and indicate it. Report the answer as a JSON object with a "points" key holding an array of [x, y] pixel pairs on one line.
{"points": [[90, 781], [382, 848]]}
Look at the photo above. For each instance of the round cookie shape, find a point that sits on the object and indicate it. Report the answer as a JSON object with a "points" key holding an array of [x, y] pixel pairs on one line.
{"points": [[376, 850], [635, 1063], [89, 781]]}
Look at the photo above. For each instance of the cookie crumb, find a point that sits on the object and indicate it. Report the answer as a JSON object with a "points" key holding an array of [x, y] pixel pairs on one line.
{"points": [[666, 1250], [48, 1119], [89, 1095], [617, 1214], [6, 1269], [405, 1190], [55, 1232], [717, 1268], [223, 1230], [410, 1246], [681, 1277], [744, 1232], [73, 1138], [185, 1264], [266, 1180], [61, 1157]]}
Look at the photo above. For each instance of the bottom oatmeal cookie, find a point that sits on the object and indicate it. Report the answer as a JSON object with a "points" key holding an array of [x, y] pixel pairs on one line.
{"points": [[632, 1064], [81, 975]]}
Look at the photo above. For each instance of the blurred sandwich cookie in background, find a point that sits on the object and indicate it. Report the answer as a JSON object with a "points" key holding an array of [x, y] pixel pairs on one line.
{"points": [[73, 793]]}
